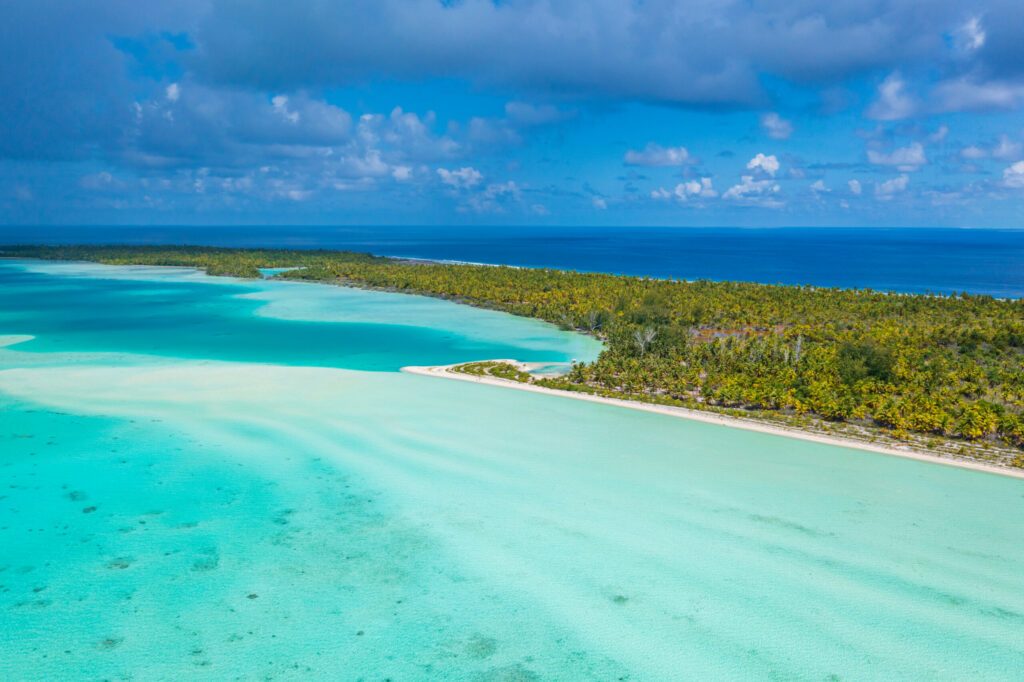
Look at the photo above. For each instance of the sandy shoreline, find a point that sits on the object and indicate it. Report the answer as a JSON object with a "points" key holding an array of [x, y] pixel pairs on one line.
{"points": [[444, 371]]}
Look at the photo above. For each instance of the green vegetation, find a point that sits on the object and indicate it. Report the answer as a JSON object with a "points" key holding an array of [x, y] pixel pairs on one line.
{"points": [[494, 368], [946, 366]]}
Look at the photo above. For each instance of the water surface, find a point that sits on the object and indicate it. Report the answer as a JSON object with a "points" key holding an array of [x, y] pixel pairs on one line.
{"points": [[210, 478], [915, 260]]}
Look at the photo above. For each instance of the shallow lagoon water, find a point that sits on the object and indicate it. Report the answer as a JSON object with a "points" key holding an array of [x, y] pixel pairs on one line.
{"points": [[286, 505]]}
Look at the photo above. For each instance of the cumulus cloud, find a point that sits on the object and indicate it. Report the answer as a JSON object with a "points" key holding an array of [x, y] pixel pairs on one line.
{"points": [[889, 188], [494, 198], [412, 133], [907, 159], [970, 35], [285, 146], [656, 155], [777, 127], [704, 54], [462, 178], [712, 53], [893, 101], [854, 186], [1013, 176], [201, 95], [599, 203], [707, 55], [818, 187], [973, 153], [749, 189], [703, 188], [280, 104], [1004, 149], [209, 127], [969, 93], [768, 164]]}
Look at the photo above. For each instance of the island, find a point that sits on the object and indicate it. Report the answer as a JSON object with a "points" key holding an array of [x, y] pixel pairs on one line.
{"points": [[940, 374]]}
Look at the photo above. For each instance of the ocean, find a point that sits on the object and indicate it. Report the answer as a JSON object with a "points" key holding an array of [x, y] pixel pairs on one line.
{"points": [[210, 478], [914, 260]]}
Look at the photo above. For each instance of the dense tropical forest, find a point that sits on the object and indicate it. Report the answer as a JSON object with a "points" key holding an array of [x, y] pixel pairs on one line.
{"points": [[948, 366]]}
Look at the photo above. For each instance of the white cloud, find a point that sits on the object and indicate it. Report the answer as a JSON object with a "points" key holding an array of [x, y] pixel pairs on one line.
{"points": [[777, 127], [401, 173], [702, 188], [494, 198], [680, 53], [463, 178], [965, 94], [854, 186], [356, 185], [685, 189], [887, 189], [970, 36], [705, 189], [368, 165], [939, 135], [599, 203], [768, 164], [290, 189], [1006, 149], [173, 92], [656, 155], [1013, 176], [409, 133], [280, 104], [973, 152], [893, 102], [818, 187], [750, 189], [904, 158]]}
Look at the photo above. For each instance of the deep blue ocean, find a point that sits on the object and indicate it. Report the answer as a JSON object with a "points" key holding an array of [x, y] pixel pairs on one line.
{"points": [[897, 259]]}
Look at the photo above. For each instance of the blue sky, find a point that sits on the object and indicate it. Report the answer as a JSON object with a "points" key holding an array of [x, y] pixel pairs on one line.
{"points": [[728, 112]]}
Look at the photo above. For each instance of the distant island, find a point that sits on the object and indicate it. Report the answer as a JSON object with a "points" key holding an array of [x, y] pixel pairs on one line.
{"points": [[943, 374]]}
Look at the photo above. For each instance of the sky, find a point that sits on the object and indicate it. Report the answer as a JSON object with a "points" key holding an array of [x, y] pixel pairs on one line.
{"points": [[513, 112]]}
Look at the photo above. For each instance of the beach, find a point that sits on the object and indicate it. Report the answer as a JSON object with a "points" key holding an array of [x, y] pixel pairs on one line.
{"points": [[446, 371]]}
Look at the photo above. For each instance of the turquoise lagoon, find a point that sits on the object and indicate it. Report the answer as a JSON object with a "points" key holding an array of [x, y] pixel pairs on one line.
{"points": [[209, 478]]}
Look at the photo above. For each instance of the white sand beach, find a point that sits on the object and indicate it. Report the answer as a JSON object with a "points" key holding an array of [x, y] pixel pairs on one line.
{"points": [[446, 372]]}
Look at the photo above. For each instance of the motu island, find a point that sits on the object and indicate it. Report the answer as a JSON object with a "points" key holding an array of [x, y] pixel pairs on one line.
{"points": [[943, 374]]}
